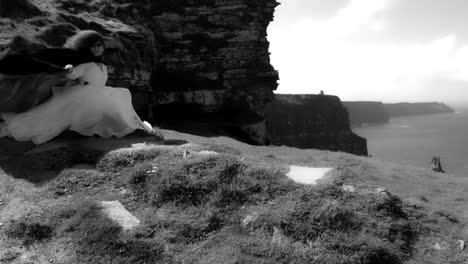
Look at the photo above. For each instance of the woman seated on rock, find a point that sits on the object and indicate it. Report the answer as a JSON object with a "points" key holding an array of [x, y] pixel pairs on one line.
{"points": [[89, 107]]}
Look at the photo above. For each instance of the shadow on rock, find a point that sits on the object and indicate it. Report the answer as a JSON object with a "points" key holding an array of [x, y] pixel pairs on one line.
{"points": [[43, 163], [209, 129]]}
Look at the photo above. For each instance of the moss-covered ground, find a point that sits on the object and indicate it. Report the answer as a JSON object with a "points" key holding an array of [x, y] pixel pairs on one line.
{"points": [[236, 206]]}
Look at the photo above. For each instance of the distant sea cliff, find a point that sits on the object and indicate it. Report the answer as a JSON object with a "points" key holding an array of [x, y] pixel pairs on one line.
{"points": [[408, 109], [312, 121], [365, 112]]}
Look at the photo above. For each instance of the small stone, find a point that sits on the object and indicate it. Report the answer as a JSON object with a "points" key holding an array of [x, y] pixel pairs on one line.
{"points": [[348, 188], [440, 246], [207, 152], [381, 190], [462, 244], [1, 224], [185, 154], [249, 219]]}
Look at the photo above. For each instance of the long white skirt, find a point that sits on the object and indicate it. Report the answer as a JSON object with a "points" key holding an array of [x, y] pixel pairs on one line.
{"points": [[87, 109]]}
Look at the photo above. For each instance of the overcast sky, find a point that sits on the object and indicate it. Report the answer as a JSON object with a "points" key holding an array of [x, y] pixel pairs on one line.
{"points": [[379, 50]]}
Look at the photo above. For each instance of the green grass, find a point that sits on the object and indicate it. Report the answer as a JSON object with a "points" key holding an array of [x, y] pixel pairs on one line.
{"points": [[100, 240], [195, 200], [115, 162], [29, 232], [73, 181], [224, 209]]}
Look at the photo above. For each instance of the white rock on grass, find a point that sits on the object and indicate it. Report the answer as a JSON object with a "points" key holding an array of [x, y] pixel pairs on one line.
{"points": [[462, 244], [348, 188], [250, 218], [117, 212], [381, 190], [307, 175], [207, 152], [440, 246]]}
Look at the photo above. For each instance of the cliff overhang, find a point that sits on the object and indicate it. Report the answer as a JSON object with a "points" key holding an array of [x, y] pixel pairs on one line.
{"points": [[211, 55]]}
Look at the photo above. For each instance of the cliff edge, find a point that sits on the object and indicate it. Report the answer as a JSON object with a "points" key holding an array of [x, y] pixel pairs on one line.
{"points": [[362, 112], [312, 121]]}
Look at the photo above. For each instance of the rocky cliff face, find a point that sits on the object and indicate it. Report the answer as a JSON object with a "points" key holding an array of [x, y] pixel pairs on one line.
{"points": [[208, 57], [214, 62], [312, 121], [366, 113]]}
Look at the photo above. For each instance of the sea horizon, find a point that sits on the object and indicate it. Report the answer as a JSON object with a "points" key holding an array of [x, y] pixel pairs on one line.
{"points": [[414, 140]]}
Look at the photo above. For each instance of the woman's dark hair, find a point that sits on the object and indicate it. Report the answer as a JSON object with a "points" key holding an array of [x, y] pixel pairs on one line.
{"points": [[84, 40]]}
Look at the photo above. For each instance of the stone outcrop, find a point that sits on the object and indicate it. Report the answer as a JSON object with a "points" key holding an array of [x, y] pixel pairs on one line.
{"points": [[175, 56], [361, 113], [312, 121]]}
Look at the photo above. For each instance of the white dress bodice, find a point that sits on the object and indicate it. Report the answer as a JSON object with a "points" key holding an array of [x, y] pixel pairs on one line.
{"points": [[90, 73]]}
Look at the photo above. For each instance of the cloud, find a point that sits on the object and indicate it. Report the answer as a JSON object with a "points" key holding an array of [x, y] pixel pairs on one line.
{"points": [[347, 20], [355, 15], [316, 55]]}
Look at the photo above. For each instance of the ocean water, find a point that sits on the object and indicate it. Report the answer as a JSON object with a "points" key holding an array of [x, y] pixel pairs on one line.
{"points": [[414, 140]]}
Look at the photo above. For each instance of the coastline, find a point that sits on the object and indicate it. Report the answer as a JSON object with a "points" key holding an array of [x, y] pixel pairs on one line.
{"points": [[413, 140]]}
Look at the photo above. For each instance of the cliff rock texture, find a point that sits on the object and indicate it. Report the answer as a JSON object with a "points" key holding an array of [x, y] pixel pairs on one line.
{"points": [[407, 109], [366, 113], [312, 121], [208, 57]]}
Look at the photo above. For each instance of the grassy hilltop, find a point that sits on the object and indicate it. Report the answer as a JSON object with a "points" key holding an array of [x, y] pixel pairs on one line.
{"points": [[216, 200]]}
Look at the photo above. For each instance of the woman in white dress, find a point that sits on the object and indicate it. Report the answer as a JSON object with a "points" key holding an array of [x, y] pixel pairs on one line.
{"points": [[89, 108]]}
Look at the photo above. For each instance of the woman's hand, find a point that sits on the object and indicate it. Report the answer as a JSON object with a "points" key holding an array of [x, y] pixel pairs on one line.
{"points": [[75, 72], [69, 71], [69, 68]]}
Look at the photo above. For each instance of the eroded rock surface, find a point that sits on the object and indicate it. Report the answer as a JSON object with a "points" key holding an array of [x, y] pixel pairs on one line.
{"points": [[214, 57]]}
